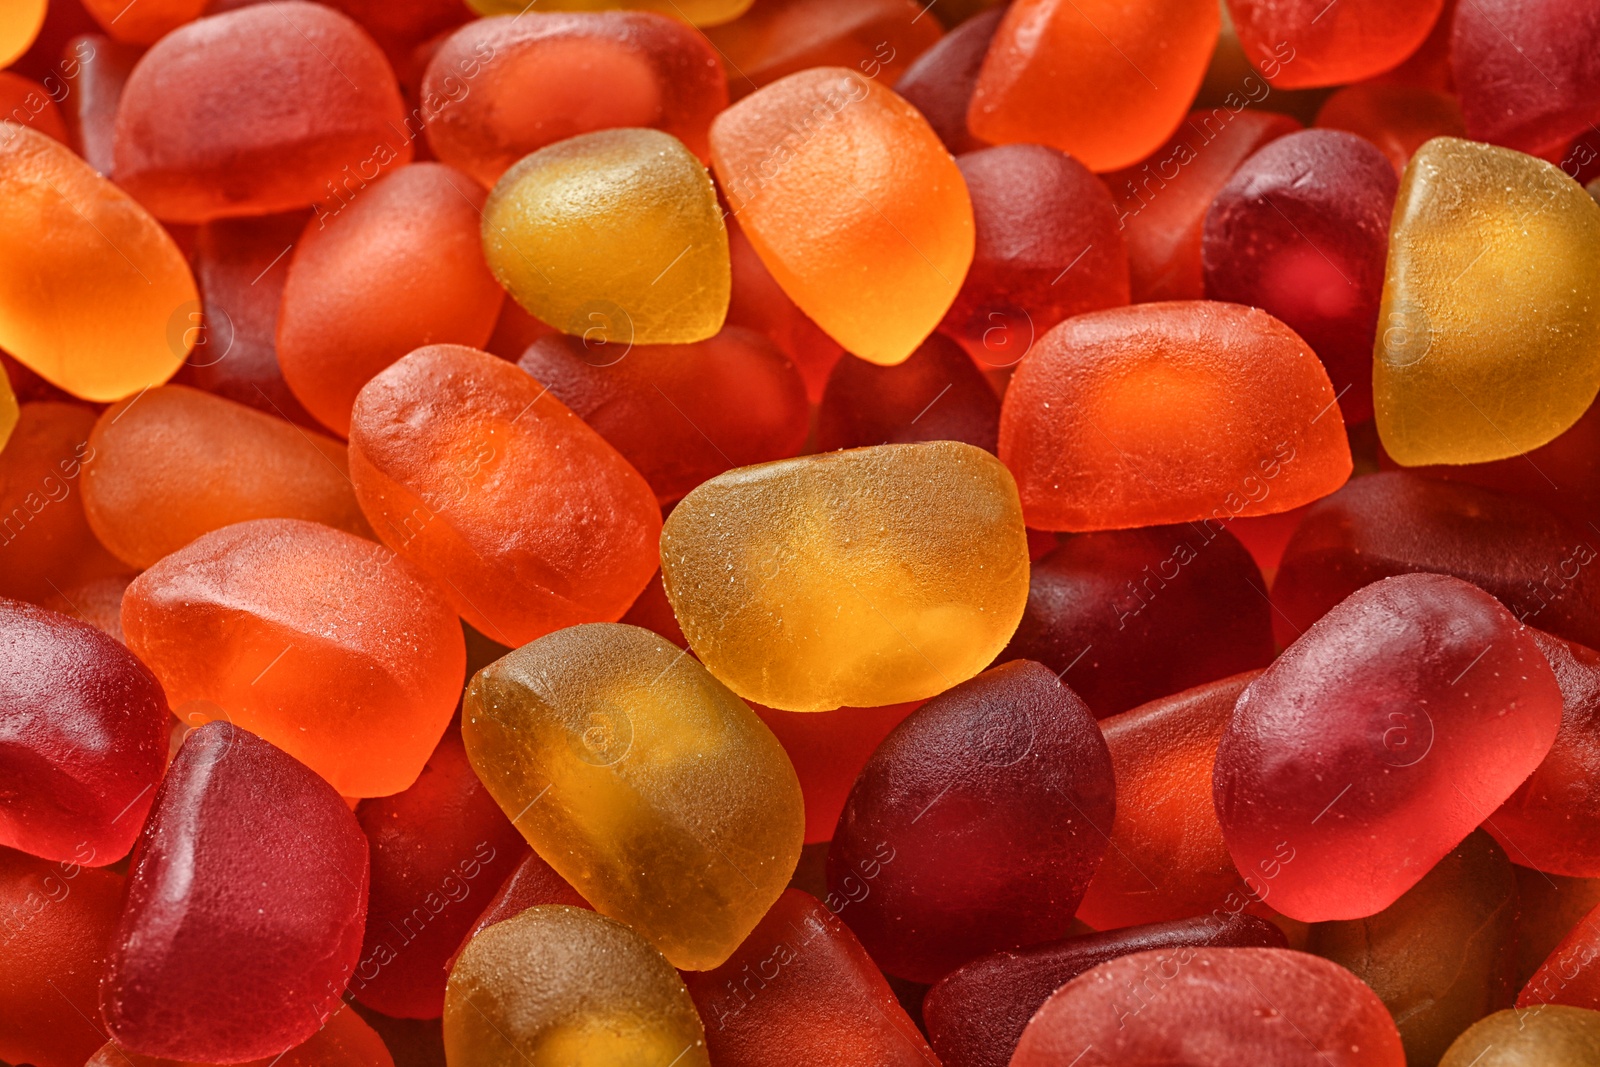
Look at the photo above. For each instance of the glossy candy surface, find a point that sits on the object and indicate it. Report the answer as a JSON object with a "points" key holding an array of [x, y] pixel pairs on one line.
{"points": [[1315, 44], [938, 394]]}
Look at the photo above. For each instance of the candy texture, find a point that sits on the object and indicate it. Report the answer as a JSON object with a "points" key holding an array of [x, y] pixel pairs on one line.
{"points": [[1166, 413], [852, 203], [1550, 1037], [866, 577], [528, 520], [938, 394], [995, 801], [1374, 745], [643, 781], [145, 22], [776, 38], [562, 985], [98, 325], [1549, 906], [759, 303], [27, 103], [324, 643], [1488, 337], [97, 70], [939, 84], [1397, 119], [698, 12], [1525, 71], [533, 883], [615, 235], [343, 1041], [244, 908], [1316, 44]]}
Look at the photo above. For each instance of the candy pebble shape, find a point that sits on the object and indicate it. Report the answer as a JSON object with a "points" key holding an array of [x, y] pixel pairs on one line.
{"points": [[1554, 1036]]}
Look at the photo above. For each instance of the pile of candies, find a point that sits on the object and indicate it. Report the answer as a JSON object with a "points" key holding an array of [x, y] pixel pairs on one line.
{"points": [[800, 533]]}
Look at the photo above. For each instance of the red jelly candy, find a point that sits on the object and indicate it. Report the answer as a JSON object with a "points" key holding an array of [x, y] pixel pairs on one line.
{"points": [[939, 84], [1526, 71], [978, 823], [1397, 119], [27, 103], [85, 728], [1378, 741], [245, 903], [532, 884], [1571, 973], [344, 1041], [1301, 44], [759, 303], [97, 68], [938, 394]]}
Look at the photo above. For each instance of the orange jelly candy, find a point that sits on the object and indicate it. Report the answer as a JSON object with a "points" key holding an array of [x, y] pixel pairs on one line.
{"points": [[1176, 412], [528, 519], [145, 22], [853, 204], [25, 102], [1103, 80], [1301, 44], [323, 643], [20, 21]]}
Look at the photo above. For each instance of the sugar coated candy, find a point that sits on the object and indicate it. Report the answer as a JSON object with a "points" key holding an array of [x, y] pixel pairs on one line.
{"points": [[244, 908], [534, 882], [1489, 334], [615, 236], [527, 519], [853, 204], [1553, 1036], [1175, 412], [1525, 70], [1306, 43], [145, 22], [19, 25], [1378, 741], [559, 985], [324, 643], [865, 577], [95, 323], [643, 781]]}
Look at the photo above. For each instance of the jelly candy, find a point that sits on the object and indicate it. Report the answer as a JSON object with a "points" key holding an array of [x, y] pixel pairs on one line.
{"points": [[101, 70], [1126, 616], [400, 267], [615, 236], [1163, 413], [1103, 81], [267, 108], [1296, 47], [938, 394], [1301, 231], [697, 12], [251, 875], [98, 325], [343, 1041], [500, 88], [1569, 975], [96, 601], [680, 413], [8, 410], [1047, 248], [86, 738], [1549, 1037], [1162, 201], [145, 22], [404, 28], [533, 883], [801, 989], [939, 83], [853, 204], [1378, 740], [20, 21], [976, 1014], [58, 920], [563, 985], [1213, 1007], [1006, 765], [1549, 906], [1167, 859], [1487, 347], [759, 303], [527, 518], [1525, 71], [324, 643], [670, 805], [27, 103], [1438, 956], [438, 849], [172, 463], [653, 611], [866, 577], [1397, 119], [1385, 524]]}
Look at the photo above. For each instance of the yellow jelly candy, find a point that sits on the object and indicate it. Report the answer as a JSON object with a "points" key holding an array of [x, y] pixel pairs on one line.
{"points": [[20, 21], [563, 987], [94, 295], [1548, 1035], [866, 577], [615, 236], [646, 784], [8, 410], [698, 12], [1489, 335]]}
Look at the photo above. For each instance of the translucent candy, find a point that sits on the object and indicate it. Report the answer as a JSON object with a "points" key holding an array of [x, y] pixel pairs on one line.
{"points": [[1438, 956], [263, 109], [526, 517], [1570, 975], [1006, 765], [1165, 413], [1047, 249], [939, 83], [19, 25], [976, 1014], [250, 877], [801, 989], [533, 883], [697, 12], [759, 303], [405, 29], [27, 103], [1126, 616], [145, 22], [1398, 119], [1548, 907], [324, 643], [938, 394], [98, 324], [1549, 1037], [866, 577], [562, 985], [1208, 1007], [500, 88], [173, 463], [680, 413], [670, 806], [96, 601], [1374, 745], [1306, 43], [96, 69], [1487, 345], [8, 410], [1101, 80], [853, 204], [1301, 231], [1525, 71], [343, 1041]]}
